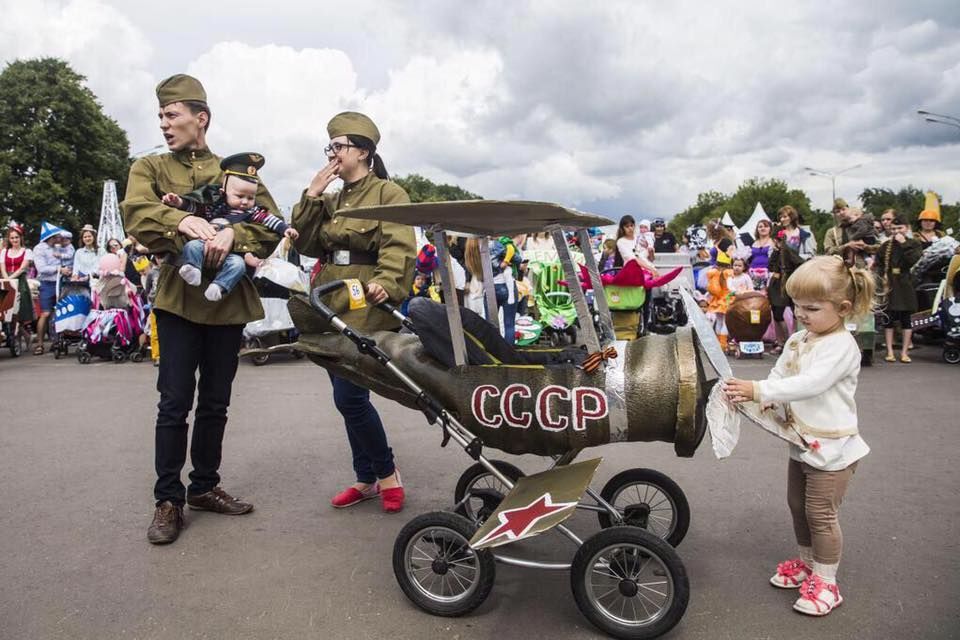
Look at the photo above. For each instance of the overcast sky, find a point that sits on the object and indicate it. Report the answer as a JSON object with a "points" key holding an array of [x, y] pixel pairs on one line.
{"points": [[611, 107]]}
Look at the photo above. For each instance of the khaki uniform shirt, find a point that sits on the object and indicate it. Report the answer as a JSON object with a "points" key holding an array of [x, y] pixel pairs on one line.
{"points": [[154, 225], [324, 225]]}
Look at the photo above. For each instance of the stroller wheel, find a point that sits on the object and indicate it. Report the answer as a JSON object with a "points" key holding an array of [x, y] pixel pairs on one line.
{"points": [[118, 356], [56, 351], [16, 346], [437, 569], [137, 356], [951, 355], [629, 583], [83, 357], [649, 500], [479, 492]]}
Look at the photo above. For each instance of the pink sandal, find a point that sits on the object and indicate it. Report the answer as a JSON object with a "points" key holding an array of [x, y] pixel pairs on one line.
{"points": [[790, 574], [817, 598]]}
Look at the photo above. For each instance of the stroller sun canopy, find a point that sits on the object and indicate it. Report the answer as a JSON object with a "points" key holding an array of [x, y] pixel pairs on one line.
{"points": [[483, 217]]}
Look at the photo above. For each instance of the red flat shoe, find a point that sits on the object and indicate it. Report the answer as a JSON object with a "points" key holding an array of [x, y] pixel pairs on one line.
{"points": [[392, 499], [351, 496]]}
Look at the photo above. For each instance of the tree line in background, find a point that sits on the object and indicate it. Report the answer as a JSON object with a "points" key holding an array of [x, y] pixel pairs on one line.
{"points": [[57, 147], [773, 194]]}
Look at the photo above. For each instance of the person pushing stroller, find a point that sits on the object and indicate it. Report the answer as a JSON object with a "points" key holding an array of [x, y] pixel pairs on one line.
{"points": [[227, 202]]}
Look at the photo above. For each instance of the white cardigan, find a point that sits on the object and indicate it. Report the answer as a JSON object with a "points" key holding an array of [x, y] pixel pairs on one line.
{"points": [[817, 378]]}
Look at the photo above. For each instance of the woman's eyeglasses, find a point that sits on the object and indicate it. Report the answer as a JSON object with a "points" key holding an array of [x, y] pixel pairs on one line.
{"points": [[334, 148]]}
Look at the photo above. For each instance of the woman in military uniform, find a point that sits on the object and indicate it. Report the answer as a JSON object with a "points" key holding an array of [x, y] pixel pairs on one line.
{"points": [[893, 263], [381, 255]]}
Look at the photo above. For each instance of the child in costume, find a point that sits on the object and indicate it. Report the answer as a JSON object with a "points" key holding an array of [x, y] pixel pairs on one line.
{"points": [[893, 262], [231, 201], [815, 380], [719, 295], [427, 262]]}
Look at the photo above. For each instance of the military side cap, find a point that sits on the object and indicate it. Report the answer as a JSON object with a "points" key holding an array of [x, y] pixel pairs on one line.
{"points": [[180, 88], [246, 165], [351, 123]]}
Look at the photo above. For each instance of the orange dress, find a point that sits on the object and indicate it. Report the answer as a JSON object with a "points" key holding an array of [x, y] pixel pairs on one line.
{"points": [[718, 290]]}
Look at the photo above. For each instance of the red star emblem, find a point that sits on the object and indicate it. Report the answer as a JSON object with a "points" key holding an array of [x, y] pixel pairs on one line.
{"points": [[516, 523]]}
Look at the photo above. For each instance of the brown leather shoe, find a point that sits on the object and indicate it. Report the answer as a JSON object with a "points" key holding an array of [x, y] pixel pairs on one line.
{"points": [[167, 523], [219, 501]]}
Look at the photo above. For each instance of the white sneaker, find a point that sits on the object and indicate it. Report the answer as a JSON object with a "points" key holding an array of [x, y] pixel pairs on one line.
{"points": [[817, 598], [790, 574], [213, 292], [190, 274]]}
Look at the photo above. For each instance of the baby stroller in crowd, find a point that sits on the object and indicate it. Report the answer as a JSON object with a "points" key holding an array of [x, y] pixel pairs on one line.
{"points": [[950, 313], [557, 314], [69, 315], [113, 327]]}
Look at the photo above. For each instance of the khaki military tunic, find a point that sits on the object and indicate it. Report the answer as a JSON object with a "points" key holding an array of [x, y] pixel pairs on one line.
{"points": [[325, 226], [154, 225], [893, 264]]}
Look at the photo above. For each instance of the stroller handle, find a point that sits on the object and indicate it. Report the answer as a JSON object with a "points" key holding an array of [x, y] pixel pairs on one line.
{"points": [[318, 293], [316, 298]]}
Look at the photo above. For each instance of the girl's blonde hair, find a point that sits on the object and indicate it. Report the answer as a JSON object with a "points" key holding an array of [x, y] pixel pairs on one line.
{"points": [[471, 255], [829, 278]]}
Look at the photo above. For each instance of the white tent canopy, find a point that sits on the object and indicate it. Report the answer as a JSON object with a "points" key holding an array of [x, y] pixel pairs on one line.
{"points": [[750, 226]]}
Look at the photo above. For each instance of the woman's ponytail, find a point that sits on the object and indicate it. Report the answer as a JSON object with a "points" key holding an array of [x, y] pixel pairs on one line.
{"points": [[378, 169], [374, 159]]}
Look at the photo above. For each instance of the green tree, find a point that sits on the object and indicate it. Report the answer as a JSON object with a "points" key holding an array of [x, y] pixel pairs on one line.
{"points": [[56, 146], [772, 194], [421, 189]]}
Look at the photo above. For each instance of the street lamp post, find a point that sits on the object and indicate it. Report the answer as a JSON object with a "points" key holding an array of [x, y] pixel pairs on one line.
{"points": [[939, 118], [832, 175]]}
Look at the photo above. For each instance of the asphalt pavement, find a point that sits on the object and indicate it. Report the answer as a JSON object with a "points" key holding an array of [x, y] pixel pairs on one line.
{"points": [[76, 476]]}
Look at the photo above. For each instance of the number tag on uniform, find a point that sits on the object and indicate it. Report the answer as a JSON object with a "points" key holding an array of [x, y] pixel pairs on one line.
{"points": [[355, 291], [895, 271], [754, 316]]}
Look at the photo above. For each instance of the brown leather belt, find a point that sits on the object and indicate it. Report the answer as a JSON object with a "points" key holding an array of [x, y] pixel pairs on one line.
{"points": [[345, 257]]}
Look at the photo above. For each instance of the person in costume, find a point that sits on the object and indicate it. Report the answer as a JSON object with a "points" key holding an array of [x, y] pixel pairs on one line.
{"points": [[381, 255], [719, 295], [47, 260], [227, 202], [893, 262], [427, 263], [815, 381], [15, 262], [929, 222], [760, 250], [197, 334], [784, 260]]}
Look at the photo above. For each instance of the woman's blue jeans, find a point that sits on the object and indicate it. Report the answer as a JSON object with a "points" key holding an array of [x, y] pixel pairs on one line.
{"points": [[509, 311], [372, 456]]}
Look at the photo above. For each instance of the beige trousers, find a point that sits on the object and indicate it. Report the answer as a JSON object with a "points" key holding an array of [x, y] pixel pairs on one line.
{"points": [[814, 497]]}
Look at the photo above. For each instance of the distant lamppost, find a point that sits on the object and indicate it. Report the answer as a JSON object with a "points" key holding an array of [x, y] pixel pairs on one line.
{"points": [[832, 175], [939, 118]]}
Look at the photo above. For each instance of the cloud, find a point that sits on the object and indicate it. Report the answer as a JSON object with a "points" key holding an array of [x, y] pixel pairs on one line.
{"points": [[616, 107]]}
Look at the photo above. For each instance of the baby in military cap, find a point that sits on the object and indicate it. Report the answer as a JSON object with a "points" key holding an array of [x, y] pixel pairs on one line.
{"points": [[231, 201]]}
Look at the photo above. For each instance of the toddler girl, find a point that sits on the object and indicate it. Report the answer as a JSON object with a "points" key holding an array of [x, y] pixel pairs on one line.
{"points": [[816, 379]]}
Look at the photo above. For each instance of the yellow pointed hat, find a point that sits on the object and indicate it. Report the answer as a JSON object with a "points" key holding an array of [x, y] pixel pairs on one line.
{"points": [[931, 208]]}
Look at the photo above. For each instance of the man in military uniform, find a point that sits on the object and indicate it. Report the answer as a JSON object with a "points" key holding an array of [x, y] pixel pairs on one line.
{"points": [[196, 333]]}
